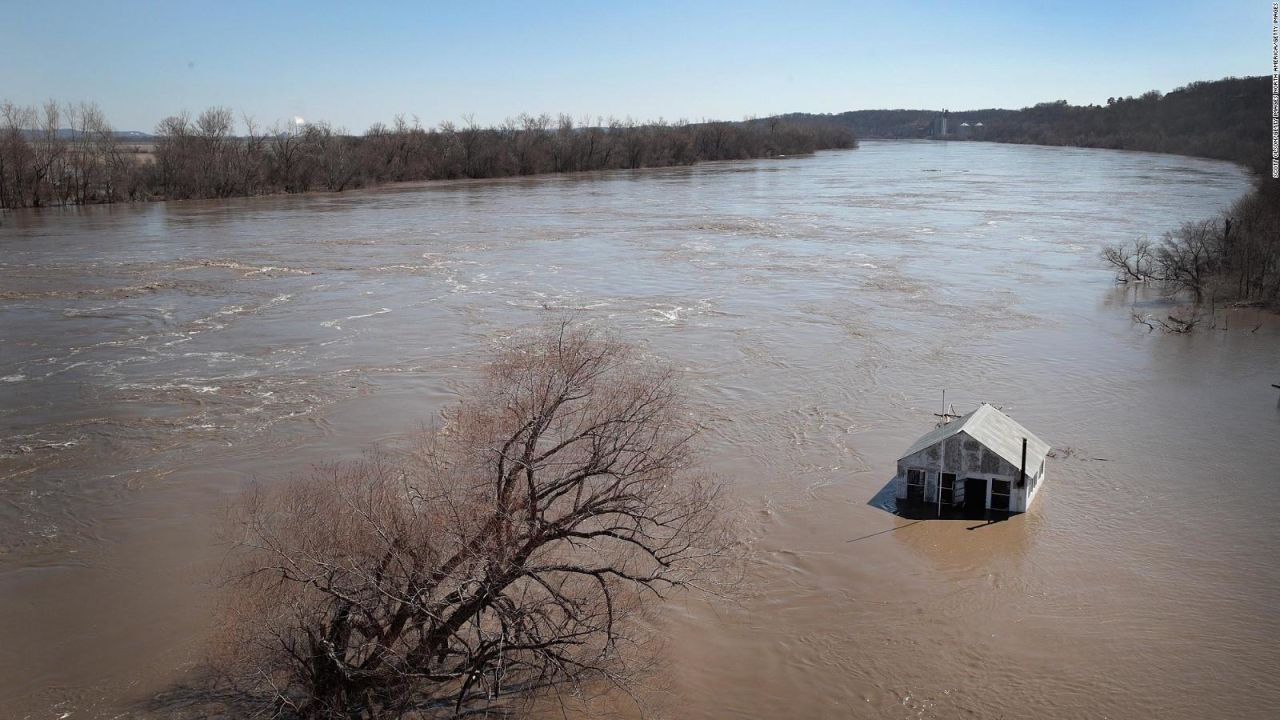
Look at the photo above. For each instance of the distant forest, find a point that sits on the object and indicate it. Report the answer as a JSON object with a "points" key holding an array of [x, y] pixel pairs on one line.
{"points": [[1227, 119], [70, 155]]}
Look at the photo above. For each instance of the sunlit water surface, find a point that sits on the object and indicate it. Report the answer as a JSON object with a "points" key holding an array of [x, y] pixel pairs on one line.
{"points": [[155, 358]]}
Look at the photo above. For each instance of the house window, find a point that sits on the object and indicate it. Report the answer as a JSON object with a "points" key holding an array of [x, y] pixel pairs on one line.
{"points": [[999, 494], [915, 485], [948, 488]]}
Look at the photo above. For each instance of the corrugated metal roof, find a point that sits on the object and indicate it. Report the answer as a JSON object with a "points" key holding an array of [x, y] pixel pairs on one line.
{"points": [[999, 432]]}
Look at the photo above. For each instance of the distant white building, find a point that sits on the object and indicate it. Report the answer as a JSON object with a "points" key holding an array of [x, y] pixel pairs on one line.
{"points": [[938, 126], [980, 461]]}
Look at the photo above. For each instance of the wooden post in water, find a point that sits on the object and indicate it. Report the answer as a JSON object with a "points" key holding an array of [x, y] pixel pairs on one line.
{"points": [[942, 466]]}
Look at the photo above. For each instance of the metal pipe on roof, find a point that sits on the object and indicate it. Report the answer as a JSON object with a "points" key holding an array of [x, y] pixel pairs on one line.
{"points": [[1022, 474]]}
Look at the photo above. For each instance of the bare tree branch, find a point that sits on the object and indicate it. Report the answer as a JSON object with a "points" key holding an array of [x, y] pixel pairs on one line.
{"points": [[510, 553]]}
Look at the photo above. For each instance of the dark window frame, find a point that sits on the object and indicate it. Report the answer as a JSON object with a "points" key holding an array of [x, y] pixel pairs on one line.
{"points": [[1007, 495], [948, 489], [916, 490]]}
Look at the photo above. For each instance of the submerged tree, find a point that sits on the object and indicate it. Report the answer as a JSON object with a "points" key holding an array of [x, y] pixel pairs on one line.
{"points": [[1133, 261], [509, 555]]}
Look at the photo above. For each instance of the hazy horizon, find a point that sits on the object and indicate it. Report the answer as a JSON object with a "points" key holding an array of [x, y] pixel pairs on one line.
{"points": [[352, 67]]}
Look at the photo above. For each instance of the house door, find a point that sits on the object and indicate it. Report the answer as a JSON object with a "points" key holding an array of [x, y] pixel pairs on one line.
{"points": [[975, 495]]}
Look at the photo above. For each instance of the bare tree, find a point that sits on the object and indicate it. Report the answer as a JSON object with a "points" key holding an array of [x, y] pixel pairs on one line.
{"points": [[1133, 261], [509, 555], [47, 174], [291, 162], [116, 167], [249, 158], [526, 137], [634, 143], [17, 159], [469, 137], [214, 130], [1189, 256], [336, 156], [81, 167], [562, 159], [1171, 324], [174, 156]]}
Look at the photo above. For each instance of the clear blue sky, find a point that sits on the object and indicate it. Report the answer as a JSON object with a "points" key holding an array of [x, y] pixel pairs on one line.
{"points": [[353, 65]]}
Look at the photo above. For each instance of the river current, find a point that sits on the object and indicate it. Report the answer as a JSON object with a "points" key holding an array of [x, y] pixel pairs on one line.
{"points": [[154, 359]]}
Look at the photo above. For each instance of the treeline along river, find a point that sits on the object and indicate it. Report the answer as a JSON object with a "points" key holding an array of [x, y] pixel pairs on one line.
{"points": [[156, 358], [203, 157]]}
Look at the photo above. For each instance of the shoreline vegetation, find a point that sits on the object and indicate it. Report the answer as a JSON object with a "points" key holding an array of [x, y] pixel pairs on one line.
{"points": [[63, 155], [1230, 259]]}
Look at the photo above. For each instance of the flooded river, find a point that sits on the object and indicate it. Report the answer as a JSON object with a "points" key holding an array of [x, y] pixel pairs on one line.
{"points": [[156, 358]]}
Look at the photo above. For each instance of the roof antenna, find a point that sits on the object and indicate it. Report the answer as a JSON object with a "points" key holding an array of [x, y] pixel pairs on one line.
{"points": [[944, 416]]}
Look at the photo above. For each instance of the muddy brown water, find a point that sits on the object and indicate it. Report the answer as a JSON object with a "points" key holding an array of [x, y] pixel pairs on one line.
{"points": [[155, 358]]}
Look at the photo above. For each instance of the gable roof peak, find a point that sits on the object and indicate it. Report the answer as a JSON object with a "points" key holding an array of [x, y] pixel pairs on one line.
{"points": [[997, 431]]}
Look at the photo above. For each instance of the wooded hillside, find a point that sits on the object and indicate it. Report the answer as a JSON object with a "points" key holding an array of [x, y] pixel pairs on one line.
{"points": [[1228, 119]]}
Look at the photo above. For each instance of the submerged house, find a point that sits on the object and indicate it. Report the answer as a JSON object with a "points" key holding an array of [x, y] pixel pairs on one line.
{"points": [[977, 462]]}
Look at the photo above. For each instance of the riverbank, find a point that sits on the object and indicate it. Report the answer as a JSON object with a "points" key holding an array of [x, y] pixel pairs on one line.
{"points": [[212, 157], [1231, 258]]}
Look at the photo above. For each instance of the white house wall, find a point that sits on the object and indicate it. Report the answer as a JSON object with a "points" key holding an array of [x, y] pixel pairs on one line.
{"points": [[966, 457], [1034, 484]]}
